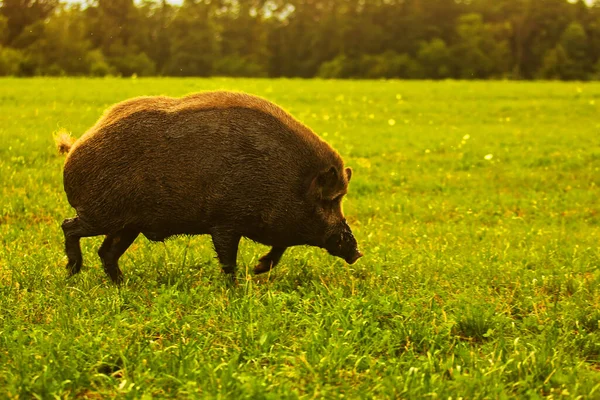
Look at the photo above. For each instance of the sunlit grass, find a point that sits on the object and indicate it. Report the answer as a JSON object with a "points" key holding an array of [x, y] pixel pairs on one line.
{"points": [[476, 205]]}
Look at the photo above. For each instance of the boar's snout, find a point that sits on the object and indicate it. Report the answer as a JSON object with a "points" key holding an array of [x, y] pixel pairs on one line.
{"points": [[357, 254], [343, 244]]}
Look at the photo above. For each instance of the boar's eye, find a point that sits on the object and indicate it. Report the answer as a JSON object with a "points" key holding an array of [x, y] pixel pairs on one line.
{"points": [[333, 202]]}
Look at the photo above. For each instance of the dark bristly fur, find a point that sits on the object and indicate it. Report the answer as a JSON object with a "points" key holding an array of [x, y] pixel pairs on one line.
{"points": [[226, 164]]}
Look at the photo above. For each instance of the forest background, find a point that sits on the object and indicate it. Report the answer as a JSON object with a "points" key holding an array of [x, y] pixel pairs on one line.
{"points": [[407, 39]]}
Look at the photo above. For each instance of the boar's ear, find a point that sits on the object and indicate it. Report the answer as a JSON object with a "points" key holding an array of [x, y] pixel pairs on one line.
{"points": [[324, 184], [348, 174]]}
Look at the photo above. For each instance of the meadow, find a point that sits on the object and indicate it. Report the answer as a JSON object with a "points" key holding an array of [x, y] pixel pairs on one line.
{"points": [[476, 205]]}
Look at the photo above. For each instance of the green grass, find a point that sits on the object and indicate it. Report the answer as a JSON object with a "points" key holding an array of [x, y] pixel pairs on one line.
{"points": [[481, 276]]}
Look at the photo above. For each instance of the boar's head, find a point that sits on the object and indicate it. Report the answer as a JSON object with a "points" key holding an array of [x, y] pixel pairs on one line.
{"points": [[328, 225]]}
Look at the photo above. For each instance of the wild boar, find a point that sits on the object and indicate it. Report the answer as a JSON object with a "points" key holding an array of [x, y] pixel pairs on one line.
{"points": [[222, 163]]}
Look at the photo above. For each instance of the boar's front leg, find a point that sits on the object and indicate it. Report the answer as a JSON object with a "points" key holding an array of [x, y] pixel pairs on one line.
{"points": [[112, 249], [226, 245], [269, 260]]}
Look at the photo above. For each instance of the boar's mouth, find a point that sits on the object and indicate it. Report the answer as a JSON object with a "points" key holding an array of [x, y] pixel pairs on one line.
{"points": [[344, 245], [351, 260]]}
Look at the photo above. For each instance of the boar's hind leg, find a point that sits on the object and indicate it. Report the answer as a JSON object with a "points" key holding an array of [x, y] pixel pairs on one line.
{"points": [[269, 260], [74, 229], [226, 245], [112, 248]]}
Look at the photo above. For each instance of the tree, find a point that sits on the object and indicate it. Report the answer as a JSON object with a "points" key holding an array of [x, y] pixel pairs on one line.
{"points": [[117, 28], [3, 30], [10, 61], [193, 37], [569, 59], [243, 39], [478, 54], [435, 59], [154, 38], [436, 39], [575, 42], [22, 13]]}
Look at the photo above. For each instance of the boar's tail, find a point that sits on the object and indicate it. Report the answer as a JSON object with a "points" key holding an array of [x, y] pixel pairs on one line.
{"points": [[64, 141]]}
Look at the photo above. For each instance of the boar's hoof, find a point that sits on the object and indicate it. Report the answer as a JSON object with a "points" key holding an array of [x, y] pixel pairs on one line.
{"points": [[73, 267], [264, 265], [229, 271], [269, 260], [115, 276]]}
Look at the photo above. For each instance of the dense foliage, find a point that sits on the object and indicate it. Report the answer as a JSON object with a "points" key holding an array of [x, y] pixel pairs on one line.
{"points": [[476, 39]]}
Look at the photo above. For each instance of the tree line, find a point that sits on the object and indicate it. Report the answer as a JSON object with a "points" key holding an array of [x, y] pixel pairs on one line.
{"points": [[409, 39]]}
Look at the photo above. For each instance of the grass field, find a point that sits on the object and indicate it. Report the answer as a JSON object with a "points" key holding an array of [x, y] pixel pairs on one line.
{"points": [[476, 205]]}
